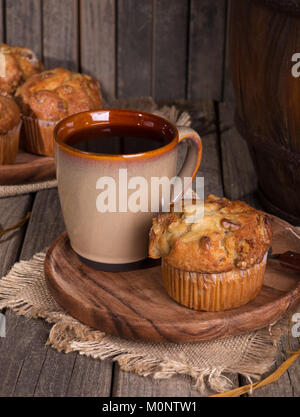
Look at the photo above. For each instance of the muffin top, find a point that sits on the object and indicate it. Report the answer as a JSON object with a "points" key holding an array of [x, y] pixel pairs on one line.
{"points": [[57, 93], [230, 234], [18, 64], [9, 114]]}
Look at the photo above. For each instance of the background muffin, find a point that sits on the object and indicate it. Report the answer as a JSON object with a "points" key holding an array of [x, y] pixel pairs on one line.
{"points": [[50, 96], [9, 130], [17, 65], [216, 262]]}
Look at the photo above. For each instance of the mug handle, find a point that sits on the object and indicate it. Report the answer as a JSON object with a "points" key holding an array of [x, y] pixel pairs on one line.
{"points": [[193, 157]]}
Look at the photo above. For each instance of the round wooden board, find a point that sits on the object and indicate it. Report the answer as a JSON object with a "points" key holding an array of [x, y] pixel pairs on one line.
{"points": [[27, 169], [134, 304]]}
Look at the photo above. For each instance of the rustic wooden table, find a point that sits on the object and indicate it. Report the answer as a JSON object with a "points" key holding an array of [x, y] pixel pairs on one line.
{"points": [[29, 368]]}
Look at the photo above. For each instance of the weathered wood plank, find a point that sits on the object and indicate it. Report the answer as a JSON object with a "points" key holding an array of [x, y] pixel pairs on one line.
{"points": [[206, 51], [12, 210], [131, 385], [210, 167], [45, 225], [170, 49], [134, 45], [90, 378], [20, 365], [238, 171], [60, 34], [23, 24], [2, 27], [203, 118], [228, 92], [97, 29], [19, 355], [30, 368]]}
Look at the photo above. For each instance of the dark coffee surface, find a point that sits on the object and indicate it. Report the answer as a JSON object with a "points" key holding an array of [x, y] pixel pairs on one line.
{"points": [[116, 140]]}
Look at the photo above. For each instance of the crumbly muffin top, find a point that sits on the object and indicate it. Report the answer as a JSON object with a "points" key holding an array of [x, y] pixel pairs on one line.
{"points": [[57, 93], [18, 64], [9, 114], [230, 234]]}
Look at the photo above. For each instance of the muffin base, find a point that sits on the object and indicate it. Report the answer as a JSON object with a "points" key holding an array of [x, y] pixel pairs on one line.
{"points": [[37, 136], [9, 145], [213, 292]]}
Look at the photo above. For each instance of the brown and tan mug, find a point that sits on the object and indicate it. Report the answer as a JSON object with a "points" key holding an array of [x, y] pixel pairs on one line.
{"points": [[116, 239]]}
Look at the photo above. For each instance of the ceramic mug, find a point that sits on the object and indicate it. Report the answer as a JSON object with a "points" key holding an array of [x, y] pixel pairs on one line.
{"points": [[116, 239]]}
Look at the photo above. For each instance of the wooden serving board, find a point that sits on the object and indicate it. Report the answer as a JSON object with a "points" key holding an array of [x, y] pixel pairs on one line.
{"points": [[27, 169], [135, 304]]}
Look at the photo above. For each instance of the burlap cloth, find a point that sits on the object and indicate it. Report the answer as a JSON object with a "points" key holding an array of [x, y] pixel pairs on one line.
{"points": [[143, 104]]}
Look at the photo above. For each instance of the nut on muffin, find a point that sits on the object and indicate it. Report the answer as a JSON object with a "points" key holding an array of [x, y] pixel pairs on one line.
{"points": [[220, 257], [9, 130], [18, 65]]}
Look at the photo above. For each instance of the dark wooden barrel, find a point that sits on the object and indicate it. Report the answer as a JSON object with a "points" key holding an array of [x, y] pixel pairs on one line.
{"points": [[263, 37]]}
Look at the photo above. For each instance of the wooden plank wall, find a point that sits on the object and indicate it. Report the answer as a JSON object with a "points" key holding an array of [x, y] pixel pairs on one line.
{"points": [[2, 24], [165, 49]]}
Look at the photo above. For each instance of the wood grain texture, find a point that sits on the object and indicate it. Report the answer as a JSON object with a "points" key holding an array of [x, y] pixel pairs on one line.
{"points": [[228, 92], [132, 385], [135, 305], [97, 42], [27, 168], [272, 37], [203, 120], [60, 34], [2, 21], [170, 49], [46, 223], [23, 24], [143, 50], [90, 378], [210, 167], [27, 366], [134, 48], [268, 97], [23, 351], [12, 210], [238, 171], [206, 49]]}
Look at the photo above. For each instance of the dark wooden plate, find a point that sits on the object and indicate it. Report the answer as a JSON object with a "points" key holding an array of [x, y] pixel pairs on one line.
{"points": [[135, 305], [27, 169]]}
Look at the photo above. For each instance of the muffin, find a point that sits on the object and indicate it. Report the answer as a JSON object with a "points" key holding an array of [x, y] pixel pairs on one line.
{"points": [[10, 122], [17, 64], [50, 96], [215, 262]]}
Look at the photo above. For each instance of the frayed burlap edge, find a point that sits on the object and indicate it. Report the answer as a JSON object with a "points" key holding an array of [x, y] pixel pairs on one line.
{"points": [[25, 292], [143, 104]]}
